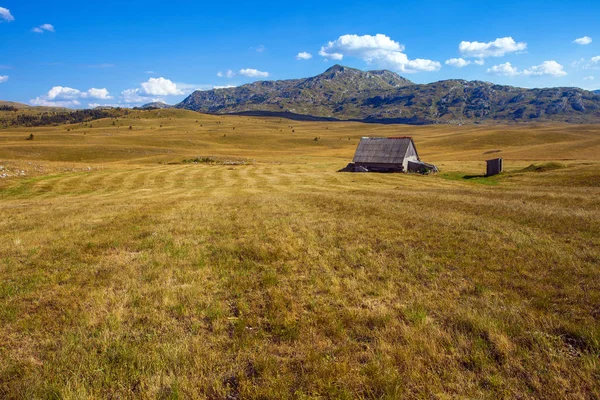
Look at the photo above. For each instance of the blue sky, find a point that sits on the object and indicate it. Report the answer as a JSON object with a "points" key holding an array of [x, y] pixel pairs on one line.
{"points": [[82, 54]]}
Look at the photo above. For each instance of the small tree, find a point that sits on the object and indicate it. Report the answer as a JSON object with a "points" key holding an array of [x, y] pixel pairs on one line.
{"points": [[130, 127], [30, 137]]}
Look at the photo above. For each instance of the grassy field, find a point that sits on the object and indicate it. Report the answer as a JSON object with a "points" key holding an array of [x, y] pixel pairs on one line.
{"points": [[261, 272]]}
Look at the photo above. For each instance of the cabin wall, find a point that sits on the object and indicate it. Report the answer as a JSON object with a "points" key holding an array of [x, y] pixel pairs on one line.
{"points": [[494, 167], [396, 167], [411, 155]]}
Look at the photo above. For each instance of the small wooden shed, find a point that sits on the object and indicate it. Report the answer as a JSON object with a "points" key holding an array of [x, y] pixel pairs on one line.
{"points": [[494, 167], [393, 154]]}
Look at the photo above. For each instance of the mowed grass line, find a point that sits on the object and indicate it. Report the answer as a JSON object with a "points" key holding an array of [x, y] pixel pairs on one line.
{"points": [[309, 283]]}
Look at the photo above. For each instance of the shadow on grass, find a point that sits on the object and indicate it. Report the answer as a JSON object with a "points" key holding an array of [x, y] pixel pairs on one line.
{"points": [[495, 179], [481, 179]]}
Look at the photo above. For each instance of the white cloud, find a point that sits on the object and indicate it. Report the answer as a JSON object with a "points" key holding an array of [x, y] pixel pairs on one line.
{"points": [[594, 62], [547, 68], [6, 15], [481, 61], [260, 49], [250, 72], [497, 48], [457, 62], [588, 78], [101, 94], [227, 74], [133, 96], [505, 69], [583, 40], [61, 96], [582, 63], [3, 78], [303, 56], [40, 101], [160, 87], [333, 56], [253, 73], [378, 49], [154, 89], [43, 28], [150, 72], [188, 88]]}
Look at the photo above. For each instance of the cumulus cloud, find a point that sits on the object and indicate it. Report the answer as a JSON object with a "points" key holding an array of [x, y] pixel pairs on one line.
{"points": [[583, 40], [497, 48], [505, 69], [3, 78], [101, 94], [379, 49], [457, 62], [303, 56], [547, 68], [62, 96], [6, 15], [43, 28], [160, 87], [155, 89], [253, 73], [331, 56]]}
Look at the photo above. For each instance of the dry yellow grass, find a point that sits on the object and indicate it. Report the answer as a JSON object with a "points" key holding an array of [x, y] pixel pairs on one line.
{"points": [[129, 274]]}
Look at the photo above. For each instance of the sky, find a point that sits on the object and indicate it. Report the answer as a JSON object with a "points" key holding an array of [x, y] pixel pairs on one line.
{"points": [[83, 54]]}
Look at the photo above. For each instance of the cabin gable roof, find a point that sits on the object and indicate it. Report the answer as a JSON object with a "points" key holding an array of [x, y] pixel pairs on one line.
{"points": [[383, 150]]}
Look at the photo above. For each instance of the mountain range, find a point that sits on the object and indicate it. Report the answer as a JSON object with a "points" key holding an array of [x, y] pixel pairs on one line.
{"points": [[342, 93]]}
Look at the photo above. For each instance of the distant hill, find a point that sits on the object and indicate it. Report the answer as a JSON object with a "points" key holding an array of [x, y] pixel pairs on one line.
{"points": [[5, 105], [154, 106], [596, 91], [383, 96], [13, 104]]}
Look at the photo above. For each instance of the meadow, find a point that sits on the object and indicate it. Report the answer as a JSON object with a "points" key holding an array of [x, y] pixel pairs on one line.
{"points": [[174, 255]]}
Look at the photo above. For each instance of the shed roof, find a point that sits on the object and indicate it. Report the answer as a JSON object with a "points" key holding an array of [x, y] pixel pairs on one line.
{"points": [[383, 150]]}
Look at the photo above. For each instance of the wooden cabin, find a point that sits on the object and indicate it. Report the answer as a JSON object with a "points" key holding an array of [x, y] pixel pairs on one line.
{"points": [[394, 154]]}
